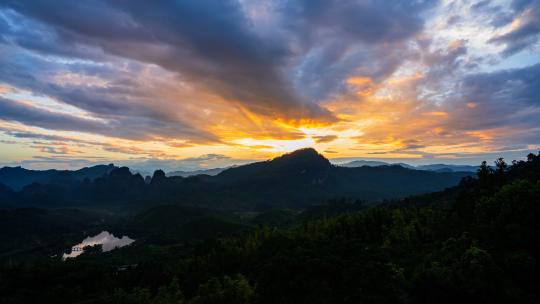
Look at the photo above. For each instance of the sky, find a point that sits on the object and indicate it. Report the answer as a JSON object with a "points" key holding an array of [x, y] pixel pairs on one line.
{"points": [[197, 84]]}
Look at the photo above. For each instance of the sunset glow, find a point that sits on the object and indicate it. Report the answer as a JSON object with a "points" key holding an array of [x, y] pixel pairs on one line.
{"points": [[424, 81]]}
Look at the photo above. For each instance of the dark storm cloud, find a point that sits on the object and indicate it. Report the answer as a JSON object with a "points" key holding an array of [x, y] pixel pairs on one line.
{"points": [[129, 107], [508, 98], [527, 32], [126, 127], [339, 38], [370, 21], [30, 135], [29, 115], [32, 73], [212, 44], [208, 42], [514, 87]]}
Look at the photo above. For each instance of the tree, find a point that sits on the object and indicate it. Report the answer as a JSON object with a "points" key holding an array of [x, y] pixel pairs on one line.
{"points": [[228, 290], [484, 171], [501, 166]]}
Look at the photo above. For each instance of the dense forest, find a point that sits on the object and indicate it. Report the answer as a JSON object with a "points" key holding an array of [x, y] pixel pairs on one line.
{"points": [[475, 242]]}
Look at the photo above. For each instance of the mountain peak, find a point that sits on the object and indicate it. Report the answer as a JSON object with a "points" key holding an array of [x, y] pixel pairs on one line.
{"points": [[302, 156], [120, 172], [158, 177], [304, 152]]}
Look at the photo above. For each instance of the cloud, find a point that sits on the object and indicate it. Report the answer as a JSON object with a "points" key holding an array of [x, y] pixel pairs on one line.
{"points": [[207, 157], [57, 162], [325, 138], [30, 115], [526, 30], [60, 149], [213, 45], [127, 102], [160, 79], [210, 45], [31, 135], [108, 73], [338, 39], [57, 144], [184, 164], [131, 150], [369, 21], [506, 99], [56, 158]]}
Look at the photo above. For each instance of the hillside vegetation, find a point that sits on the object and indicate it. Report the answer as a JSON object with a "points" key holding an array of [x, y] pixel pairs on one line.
{"points": [[477, 242]]}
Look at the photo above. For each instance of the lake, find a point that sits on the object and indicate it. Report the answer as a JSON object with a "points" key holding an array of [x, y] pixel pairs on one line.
{"points": [[106, 239]]}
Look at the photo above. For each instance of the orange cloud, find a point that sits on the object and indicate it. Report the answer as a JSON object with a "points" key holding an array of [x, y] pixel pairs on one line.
{"points": [[364, 86], [472, 105], [436, 114]]}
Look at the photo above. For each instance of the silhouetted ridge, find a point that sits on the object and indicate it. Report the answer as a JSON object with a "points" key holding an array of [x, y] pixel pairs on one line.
{"points": [[4, 188], [6, 194], [307, 157], [17, 178], [306, 162], [93, 172], [293, 180], [158, 177], [120, 172], [120, 184]]}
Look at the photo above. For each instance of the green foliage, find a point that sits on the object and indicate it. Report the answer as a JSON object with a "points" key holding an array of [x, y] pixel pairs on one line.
{"points": [[30, 233], [228, 290], [478, 242]]}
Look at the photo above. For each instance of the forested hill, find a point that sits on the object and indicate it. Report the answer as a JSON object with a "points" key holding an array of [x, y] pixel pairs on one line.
{"points": [[475, 243], [294, 180]]}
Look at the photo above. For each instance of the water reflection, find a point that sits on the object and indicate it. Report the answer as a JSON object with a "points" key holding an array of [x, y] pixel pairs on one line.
{"points": [[106, 239]]}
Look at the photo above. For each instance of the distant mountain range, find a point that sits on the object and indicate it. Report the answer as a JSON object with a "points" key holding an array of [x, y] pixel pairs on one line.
{"points": [[213, 171], [294, 180], [16, 177], [352, 164], [448, 168], [373, 163], [431, 167]]}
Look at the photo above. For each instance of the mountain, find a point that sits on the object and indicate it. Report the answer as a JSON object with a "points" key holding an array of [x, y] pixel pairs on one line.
{"points": [[373, 163], [304, 164], [302, 177], [213, 171], [361, 163], [475, 242], [17, 177], [294, 180], [448, 168], [6, 195], [431, 167]]}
